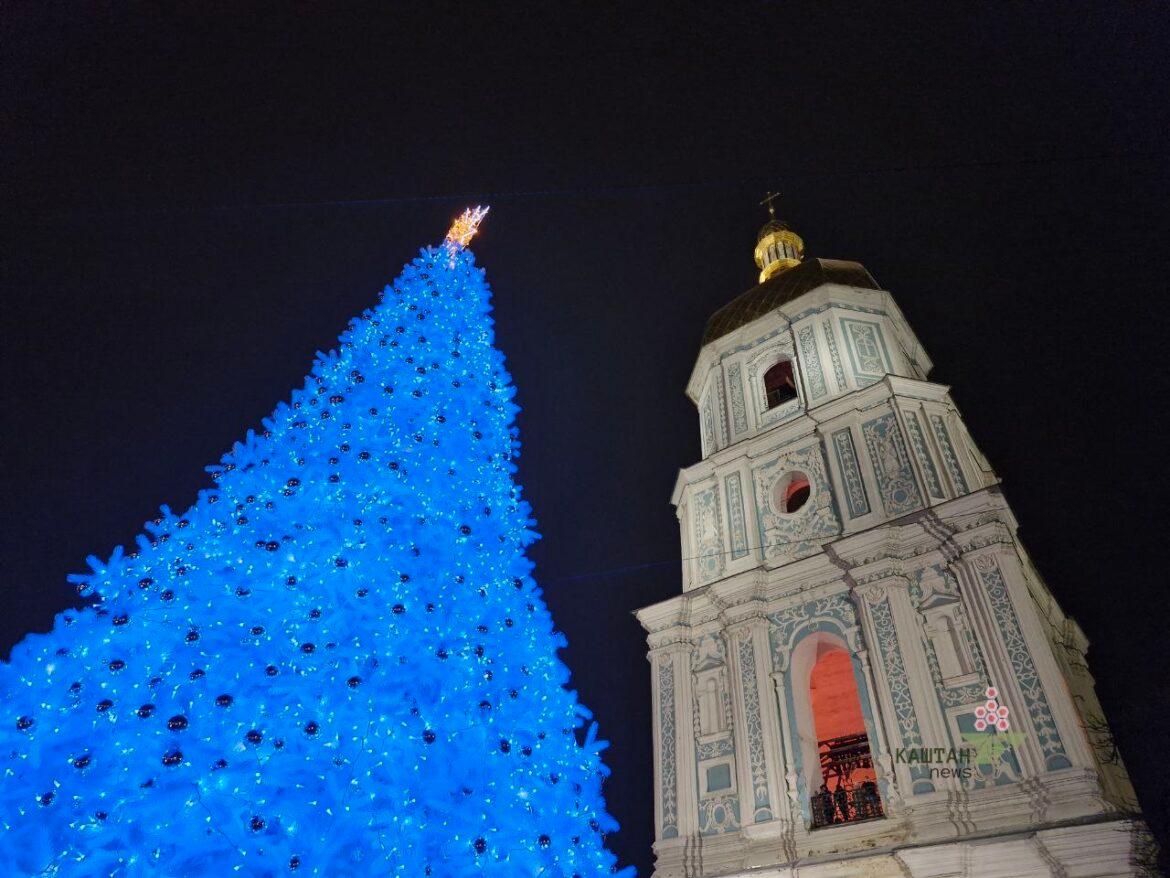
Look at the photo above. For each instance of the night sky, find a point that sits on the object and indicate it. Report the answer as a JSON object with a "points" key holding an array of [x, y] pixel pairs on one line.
{"points": [[194, 204]]}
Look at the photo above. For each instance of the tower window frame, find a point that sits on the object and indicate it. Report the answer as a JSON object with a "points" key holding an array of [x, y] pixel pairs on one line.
{"points": [[779, 384]]}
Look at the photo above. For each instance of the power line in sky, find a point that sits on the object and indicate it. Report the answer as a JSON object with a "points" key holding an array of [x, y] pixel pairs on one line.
{"points": [[623, 189]]}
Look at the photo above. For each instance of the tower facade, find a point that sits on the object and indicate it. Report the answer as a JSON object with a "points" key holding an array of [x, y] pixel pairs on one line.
{"points": [[863, 674]]}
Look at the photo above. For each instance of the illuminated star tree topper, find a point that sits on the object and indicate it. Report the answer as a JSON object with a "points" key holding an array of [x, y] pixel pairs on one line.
{"points": [[465, 226]]}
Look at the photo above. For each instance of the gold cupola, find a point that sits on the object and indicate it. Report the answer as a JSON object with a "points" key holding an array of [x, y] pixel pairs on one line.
{"points": [[778, 248]]}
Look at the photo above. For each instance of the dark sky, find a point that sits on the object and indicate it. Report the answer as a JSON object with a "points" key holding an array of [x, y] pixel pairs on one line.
{"points": [[194, 204]]}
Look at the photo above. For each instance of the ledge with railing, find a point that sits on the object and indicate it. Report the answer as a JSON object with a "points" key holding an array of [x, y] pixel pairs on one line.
{"points": [[843, 799]]}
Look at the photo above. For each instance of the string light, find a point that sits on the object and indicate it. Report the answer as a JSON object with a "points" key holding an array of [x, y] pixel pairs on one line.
{"points": [[336, 662]]}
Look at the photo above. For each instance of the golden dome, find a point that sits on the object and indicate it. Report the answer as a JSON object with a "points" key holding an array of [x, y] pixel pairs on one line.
{"points": [[778, 248]]}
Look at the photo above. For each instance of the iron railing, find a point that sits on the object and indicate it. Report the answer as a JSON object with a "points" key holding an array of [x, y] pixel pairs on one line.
{"points": [[841, 799]]}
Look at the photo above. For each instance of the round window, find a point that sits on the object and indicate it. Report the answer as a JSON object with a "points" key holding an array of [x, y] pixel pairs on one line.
{"points": [[791, 493]]}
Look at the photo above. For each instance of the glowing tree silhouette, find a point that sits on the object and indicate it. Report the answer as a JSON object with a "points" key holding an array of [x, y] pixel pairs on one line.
{"points": [[335, 662]]}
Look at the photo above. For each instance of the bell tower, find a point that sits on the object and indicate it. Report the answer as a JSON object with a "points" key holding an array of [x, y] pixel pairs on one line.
{"points": [[864, 673]]}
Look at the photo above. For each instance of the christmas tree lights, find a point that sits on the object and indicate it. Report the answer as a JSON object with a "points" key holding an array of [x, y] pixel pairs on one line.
{"points": [[336, 662]]}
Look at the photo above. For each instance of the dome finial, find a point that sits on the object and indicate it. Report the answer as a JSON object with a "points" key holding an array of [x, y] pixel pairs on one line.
{"points": [[778, 248]]}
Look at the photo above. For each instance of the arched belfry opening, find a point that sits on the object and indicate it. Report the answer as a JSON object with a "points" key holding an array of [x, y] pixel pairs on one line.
{"points": [[834, 739], [779, 384]]}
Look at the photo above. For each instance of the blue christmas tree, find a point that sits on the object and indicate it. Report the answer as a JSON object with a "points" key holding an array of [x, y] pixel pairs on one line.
{"points": [[336, 662]]}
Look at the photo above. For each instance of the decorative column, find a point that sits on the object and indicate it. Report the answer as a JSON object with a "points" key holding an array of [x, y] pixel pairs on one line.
{"points": [[1009, 661], [909, 626], [995, 654], [1072, 734], [787, 740], [756, 728], [688, 553], [676, 794], [882, 757], [880, 615]]}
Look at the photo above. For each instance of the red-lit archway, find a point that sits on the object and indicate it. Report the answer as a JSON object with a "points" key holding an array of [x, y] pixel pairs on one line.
{"points": [[835, 743], [833, 692]]}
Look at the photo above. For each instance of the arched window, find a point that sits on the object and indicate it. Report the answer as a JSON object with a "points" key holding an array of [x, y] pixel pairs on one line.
{"points": [[779, 385], [832, 735]]}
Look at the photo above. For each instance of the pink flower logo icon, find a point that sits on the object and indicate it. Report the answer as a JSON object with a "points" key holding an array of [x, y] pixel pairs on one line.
{"points": [[991, 714]]}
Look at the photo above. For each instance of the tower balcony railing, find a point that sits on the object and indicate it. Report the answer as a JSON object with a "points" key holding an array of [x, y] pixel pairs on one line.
{"points": [[844, 798]]}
